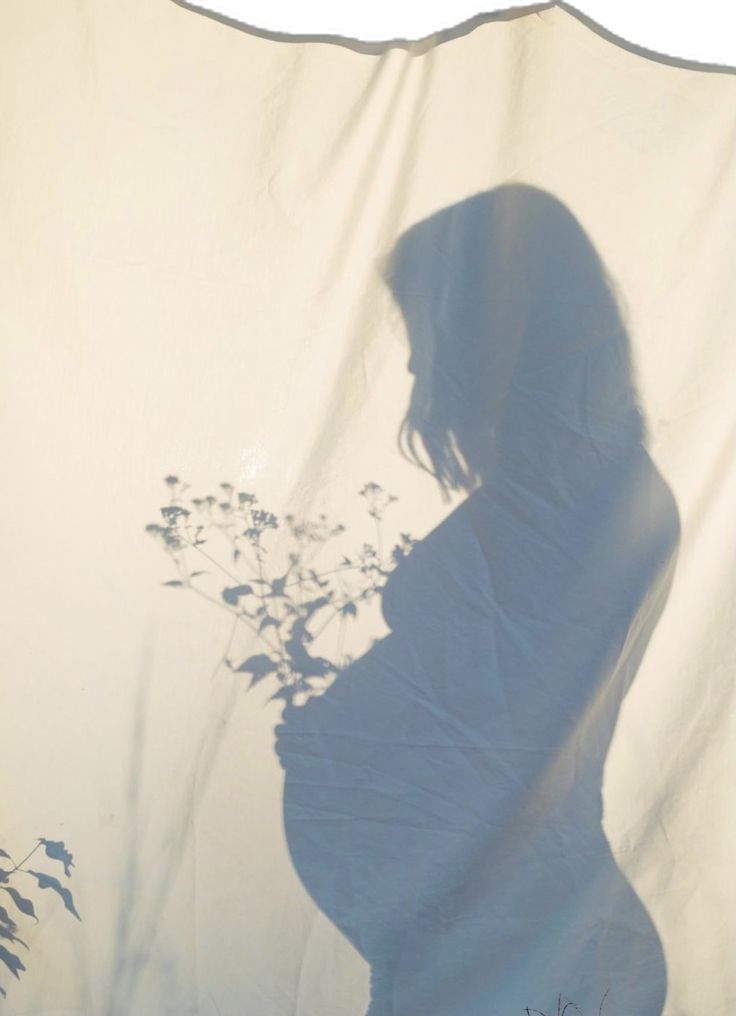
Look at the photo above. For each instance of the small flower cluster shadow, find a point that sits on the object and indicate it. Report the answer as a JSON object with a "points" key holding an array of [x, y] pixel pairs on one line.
{"points": [[285, 599], [54, 849], [286, 611]]}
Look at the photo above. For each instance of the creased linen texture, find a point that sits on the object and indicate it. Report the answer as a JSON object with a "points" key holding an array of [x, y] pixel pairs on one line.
{"points": [[368, 520]]}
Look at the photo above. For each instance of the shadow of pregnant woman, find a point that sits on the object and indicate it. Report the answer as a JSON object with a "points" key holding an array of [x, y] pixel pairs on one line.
{"points": [[442, 800]]}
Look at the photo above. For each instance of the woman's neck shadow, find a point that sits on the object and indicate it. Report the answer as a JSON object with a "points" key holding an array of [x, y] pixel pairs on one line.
{"points": [[442, 800]]}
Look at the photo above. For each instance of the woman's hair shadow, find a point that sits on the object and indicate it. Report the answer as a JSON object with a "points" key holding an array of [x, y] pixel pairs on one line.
{"points": [[442, 800]]}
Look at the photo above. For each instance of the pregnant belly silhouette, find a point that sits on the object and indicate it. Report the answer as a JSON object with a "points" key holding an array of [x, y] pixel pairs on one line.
{"points": [[442, 800]]}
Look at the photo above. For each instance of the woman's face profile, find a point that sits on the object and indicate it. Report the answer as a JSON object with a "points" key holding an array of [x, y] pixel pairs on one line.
{"points": [[464, 331]]}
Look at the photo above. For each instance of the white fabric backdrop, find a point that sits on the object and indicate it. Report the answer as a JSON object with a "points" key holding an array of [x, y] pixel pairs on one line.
{"points": [[705, 33], [235, 260]]}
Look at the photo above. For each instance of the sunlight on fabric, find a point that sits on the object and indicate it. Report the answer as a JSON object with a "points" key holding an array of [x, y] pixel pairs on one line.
{"points": [[367, 539]]}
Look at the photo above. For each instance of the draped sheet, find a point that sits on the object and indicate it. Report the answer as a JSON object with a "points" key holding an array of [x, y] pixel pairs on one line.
{"points": [[367, 538]]}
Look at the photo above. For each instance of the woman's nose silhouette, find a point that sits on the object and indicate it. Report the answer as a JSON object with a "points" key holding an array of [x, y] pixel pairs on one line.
{"points": [[442, 800]]}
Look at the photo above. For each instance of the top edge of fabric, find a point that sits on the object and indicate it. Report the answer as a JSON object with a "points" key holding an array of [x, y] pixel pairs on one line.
{"points": [[567, 14]]}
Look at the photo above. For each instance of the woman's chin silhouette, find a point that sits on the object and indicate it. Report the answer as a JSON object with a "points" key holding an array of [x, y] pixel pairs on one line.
{"points": [[442, 800]]}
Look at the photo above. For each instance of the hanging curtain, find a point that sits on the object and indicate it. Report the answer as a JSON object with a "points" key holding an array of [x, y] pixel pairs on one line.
{"points": [[368, 520]]}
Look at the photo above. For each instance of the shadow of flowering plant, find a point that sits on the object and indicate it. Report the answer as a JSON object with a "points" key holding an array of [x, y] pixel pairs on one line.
{"points": [[54, 849], [283, 597]]}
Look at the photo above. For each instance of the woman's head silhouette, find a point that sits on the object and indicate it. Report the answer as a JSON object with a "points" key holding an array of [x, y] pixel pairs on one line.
{"points": [[512, 323]]}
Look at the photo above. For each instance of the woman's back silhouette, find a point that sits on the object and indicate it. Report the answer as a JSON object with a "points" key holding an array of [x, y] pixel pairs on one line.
{"points": [[442, 800]]}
